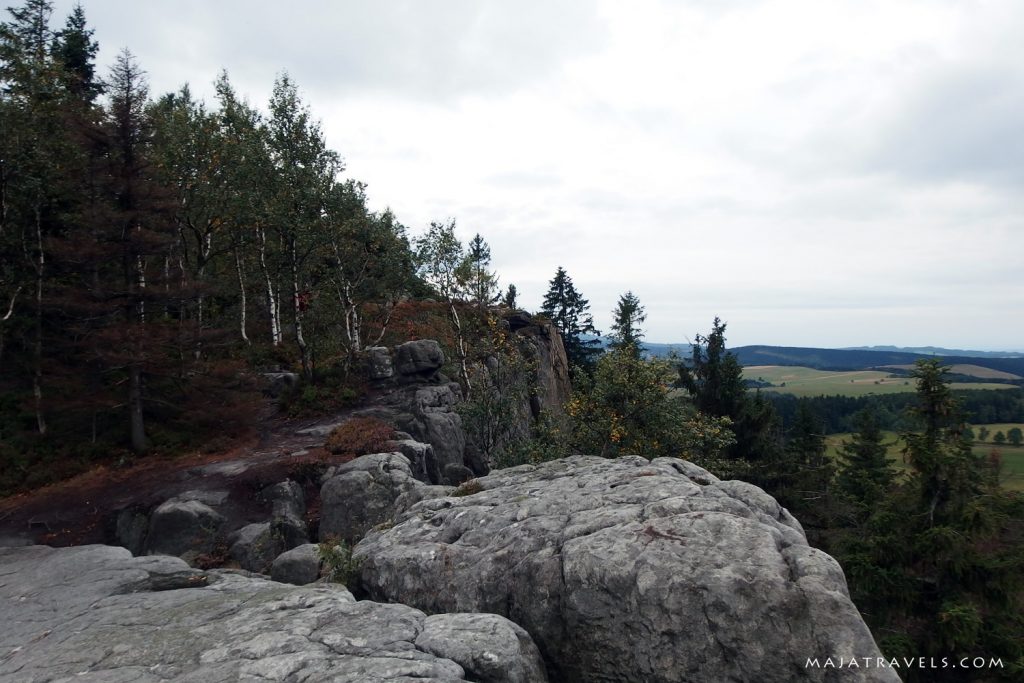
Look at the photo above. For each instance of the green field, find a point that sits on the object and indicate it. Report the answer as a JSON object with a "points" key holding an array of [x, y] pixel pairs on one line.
{"points": [[1012, 475], [801, 381]]}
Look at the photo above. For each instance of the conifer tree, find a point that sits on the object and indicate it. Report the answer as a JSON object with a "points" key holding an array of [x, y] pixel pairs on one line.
{"points": [[627, 318], [865, 470], [570, 314], [509, 299], [482, 283]]}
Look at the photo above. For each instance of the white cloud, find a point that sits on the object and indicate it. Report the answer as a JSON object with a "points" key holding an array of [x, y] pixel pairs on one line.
{"points": [[817, 173]]}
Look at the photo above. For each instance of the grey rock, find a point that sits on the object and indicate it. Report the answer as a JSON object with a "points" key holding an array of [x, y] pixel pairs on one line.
{"points": [[379, 361], [210, 497], [94, 613], [299, 566], [287, 498], [255, 546], [490, 648], [322, 430], [456, 474], [427, 413], [421, 358], [418, 453], [364, 493], [279, 382], [131, 528], [628, 570], [183, 526], [288, 513], [14, 541]]}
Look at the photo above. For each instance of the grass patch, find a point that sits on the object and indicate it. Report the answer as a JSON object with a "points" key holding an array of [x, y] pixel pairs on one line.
{"points": [[801, 381], [1012, 457]]}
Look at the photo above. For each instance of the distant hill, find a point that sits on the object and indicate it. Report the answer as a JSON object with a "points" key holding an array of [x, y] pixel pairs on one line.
{"points": [[938, 351], [858, 359]]}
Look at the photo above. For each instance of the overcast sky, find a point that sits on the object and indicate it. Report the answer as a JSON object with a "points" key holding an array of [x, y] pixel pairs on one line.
{"points": [[815, 172]]}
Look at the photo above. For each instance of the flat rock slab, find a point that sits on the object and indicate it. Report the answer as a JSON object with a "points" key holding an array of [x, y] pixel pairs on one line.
{"points": [[95, 613], [629, 570]]}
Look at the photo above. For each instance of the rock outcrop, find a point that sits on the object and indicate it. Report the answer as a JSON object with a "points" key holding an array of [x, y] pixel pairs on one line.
{"points": [[95, 613], [628, 570], [539, 341], [368, 491]]}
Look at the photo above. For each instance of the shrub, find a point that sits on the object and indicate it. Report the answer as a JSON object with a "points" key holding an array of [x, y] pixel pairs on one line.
{"points": [[339, 564], [467, 488], [359, 436]]}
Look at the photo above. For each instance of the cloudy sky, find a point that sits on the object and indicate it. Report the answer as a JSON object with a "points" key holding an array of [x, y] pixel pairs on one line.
{"points": [[817, 173]]}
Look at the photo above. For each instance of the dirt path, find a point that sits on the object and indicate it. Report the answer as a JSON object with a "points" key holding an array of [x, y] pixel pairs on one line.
{"points": [[84, 509]]}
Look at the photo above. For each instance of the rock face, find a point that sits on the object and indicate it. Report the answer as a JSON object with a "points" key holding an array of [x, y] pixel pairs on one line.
{"points": [[368, 491], [299, 565], [540, 342], [183, 526], [427, 413], [422, 358], [629, 570], [94, 613]]}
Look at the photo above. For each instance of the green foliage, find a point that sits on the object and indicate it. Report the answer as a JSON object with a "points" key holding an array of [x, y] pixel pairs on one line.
{"points": [[865, 471], [548, 440], [332, 390], [509, 298], [569, 312], [714, 379], [481, 283], [627, 408], [940, 557], [339, 565], [627, 318], [497, 411], [1014, 436]]}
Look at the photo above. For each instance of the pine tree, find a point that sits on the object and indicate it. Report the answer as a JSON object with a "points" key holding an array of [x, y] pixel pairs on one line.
{"points": [[481, 282], [714, 379], [509, 299], [627, 318], [570, 314], [865, 470], [75, 50]]}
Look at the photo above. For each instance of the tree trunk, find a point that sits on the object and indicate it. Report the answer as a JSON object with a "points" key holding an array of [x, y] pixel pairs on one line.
{"points": [[273, 309], [138, 427], [460, 347], [241, 291], [37, 352], [297, 304]]}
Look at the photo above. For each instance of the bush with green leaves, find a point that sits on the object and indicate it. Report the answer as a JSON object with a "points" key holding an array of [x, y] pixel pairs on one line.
{"points": [[339, 565], [628, 408]]}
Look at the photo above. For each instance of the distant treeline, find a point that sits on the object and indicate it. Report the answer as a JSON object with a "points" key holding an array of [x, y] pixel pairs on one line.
{"points": [[837, 412]]}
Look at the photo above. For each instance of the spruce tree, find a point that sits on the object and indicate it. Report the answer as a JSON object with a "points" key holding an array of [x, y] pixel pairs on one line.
{"points": [[627, 318], [570, 314], [482, 283], [865, 470]]}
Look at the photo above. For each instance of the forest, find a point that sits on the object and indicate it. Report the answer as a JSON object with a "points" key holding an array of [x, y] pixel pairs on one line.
{"points": [[159, 252]]}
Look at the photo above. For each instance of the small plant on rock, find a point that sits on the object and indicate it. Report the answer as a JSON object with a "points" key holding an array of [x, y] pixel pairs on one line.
{"points": [[359, 436], [339, 566], [468, 488]]}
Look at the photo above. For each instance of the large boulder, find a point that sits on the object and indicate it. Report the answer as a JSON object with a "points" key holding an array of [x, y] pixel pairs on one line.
{"points": [[299, 565], [368, 491], [378, 360], [95, 613], [427, 412], [183, 527], [288, 511], [628, 570], [255, 546], [420, 359]]}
